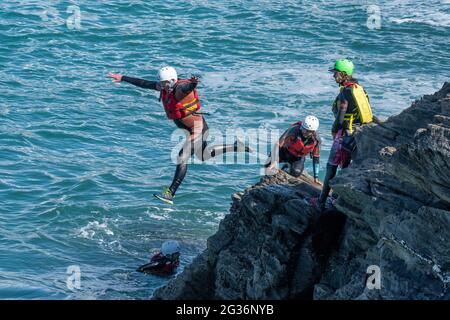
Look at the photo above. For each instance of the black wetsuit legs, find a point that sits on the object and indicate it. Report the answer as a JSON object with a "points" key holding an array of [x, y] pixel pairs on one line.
{"points": [[331, 173], [297, 167], [200, 148]]}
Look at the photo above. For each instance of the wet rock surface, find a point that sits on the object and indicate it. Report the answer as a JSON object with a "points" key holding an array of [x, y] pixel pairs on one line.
{"points": [[393, 213]]}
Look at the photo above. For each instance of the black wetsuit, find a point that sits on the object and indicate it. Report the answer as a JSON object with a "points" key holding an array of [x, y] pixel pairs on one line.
{"points": [[194, 124], [160, 264]]}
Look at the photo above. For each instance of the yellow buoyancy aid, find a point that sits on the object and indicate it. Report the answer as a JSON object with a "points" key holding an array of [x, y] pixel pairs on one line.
{"points": [[363, 110]]}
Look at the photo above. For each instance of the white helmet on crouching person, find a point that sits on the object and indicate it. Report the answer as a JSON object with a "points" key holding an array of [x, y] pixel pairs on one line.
{"points": [[311, 123]]}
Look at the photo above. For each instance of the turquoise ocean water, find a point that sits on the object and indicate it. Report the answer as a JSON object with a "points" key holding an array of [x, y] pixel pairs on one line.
{"points": [[80, 156]]}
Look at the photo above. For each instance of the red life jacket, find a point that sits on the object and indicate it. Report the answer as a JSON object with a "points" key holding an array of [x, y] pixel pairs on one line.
{"points": [[180, 109], [296, 146], [166, 266]]}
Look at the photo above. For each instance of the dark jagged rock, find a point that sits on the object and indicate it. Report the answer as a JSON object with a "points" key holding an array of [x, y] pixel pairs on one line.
{"points": [[264, 249], [397, 196], [393, 212]]}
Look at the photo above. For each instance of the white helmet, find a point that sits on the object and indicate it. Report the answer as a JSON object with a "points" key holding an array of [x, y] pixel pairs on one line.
{"points": [[170, 247], [167, 74], [311, 123]]}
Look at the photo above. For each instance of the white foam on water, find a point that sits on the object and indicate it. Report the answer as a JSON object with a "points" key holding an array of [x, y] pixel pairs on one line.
{"points": [[156, 216], [92, 228], [4, 110], [438, 19], [275, 78], [433, 13]]}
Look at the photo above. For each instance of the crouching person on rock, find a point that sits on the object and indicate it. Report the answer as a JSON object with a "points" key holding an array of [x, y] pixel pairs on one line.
{"points": [[301, 139]]}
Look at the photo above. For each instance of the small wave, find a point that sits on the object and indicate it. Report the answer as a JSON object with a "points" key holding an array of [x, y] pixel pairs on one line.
{"points": [[435, 20], [62, 134], [432, 13], [94, 227]]}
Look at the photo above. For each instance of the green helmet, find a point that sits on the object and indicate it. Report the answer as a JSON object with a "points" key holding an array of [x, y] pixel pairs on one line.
{"points": [[343, 65]]}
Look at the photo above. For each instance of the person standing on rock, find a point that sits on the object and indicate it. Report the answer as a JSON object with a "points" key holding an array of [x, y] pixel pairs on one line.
{"points": [[350, 108], [181, 103], [300, 140]]}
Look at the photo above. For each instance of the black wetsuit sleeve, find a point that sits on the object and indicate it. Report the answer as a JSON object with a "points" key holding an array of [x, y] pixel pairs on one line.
{"points": [[146, 84], [283, 137], [343, 97], [187, 87], [280, 143]]}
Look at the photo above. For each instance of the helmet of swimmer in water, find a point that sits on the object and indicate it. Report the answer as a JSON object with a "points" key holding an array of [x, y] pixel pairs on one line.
{"points": [[170, 247]]}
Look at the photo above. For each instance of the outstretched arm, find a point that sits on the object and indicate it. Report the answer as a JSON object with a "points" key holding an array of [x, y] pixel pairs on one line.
{"points": [[146, 84]]}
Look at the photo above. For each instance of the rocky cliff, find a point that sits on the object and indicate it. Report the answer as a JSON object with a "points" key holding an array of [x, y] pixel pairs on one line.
{"points": [[393, 213]]}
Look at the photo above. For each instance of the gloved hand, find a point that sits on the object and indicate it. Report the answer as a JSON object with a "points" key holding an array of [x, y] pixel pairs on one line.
{"points": [[115, 77], [194, 79]]}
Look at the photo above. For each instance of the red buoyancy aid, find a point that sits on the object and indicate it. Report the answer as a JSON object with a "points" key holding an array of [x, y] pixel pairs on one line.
{"points": [[296, 146], [166, 266], [180, 109]]}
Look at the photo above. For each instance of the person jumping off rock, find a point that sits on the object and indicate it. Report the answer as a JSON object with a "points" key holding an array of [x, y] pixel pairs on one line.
{"points": [[181, 103]]}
